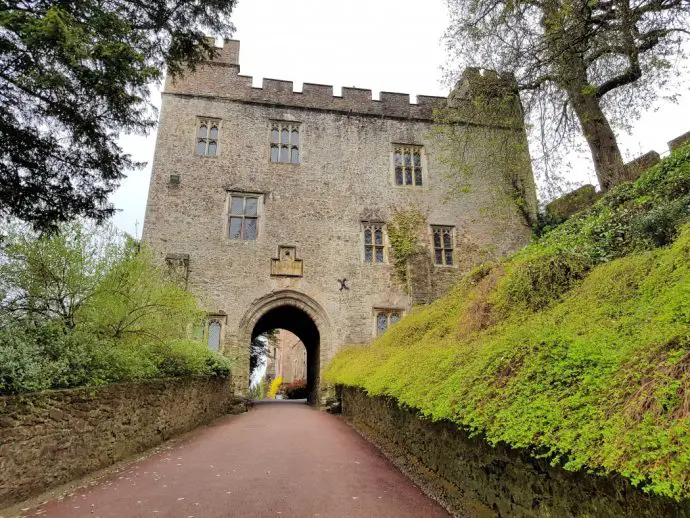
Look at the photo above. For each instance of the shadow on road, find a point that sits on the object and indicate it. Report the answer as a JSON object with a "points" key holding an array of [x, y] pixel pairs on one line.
{"points": [[278, 401]]}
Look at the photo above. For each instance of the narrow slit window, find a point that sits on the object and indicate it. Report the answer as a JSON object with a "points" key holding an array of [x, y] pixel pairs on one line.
{"points": [[374, 243], [213, 342], [207, 137], [443, 245], [285, 142], [243, 220], [407, 165]]}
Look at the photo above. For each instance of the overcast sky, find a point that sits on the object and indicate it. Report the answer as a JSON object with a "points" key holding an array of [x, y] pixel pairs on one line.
{"points": [[382, 45]]}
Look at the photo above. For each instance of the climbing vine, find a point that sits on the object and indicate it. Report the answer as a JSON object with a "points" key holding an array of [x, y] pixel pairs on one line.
{"points": [[403, 233]]}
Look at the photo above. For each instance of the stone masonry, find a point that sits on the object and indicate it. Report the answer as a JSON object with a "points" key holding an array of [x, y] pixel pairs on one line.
{"points": [[308, 251]]}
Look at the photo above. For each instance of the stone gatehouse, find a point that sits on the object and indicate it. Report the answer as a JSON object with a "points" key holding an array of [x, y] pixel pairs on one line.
{"points": [[275, 205]]}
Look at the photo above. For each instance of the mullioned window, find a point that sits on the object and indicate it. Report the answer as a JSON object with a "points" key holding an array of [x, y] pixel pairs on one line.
{"points": [[285, 143]]}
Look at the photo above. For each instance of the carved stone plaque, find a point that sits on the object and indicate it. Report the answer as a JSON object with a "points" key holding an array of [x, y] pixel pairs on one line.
{"points": [[287, 264]]}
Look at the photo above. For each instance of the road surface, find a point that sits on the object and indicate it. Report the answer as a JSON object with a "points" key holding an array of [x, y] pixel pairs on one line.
{"points": [[279, 460]]}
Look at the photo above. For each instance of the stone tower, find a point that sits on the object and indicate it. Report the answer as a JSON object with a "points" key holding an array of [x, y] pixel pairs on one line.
{"points": [[275, 205]]}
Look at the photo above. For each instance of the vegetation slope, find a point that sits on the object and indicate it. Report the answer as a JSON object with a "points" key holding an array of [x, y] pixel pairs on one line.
{"points": [[576, 348]]}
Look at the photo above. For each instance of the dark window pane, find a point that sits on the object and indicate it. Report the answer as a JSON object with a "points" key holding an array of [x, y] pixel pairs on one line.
{"points": [[274, 136], [395, 317], [418, 176], [379, 254], [417, 160], [284, 154], [447, 241], [212, 148], [437, 239], [367, 254], [203, 131], [295, 138], [274, 153], [397, 158], [398, 176], [438, 256], [295, 155], [214, 132], [237, 205], [408, 176], [449, 257], [408, 158], [235, 228], [250, 206], [381, 322], [201, 148], [367, 236], [378, 236], [284, 137], [249, 229]]}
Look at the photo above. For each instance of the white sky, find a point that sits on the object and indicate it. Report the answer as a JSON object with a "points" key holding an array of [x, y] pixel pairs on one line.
{"points": [[382, 45]]}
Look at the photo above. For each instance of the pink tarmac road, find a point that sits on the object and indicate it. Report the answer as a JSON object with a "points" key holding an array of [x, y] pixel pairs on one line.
{"points": [[281, 460]]}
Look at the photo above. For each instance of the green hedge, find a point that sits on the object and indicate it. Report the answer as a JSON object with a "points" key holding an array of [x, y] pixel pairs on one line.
{"points": [[577, 348]]}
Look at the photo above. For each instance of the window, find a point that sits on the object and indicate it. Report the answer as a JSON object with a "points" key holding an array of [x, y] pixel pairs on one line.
{"points": [[386, 318], [214, 328], [373, 243], [285, 142], [443, 245], [207, 138], [244, 217], [407, 161]]}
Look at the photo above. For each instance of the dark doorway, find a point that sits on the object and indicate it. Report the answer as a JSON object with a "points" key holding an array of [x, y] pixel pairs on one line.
{"points": [[301, 325]]}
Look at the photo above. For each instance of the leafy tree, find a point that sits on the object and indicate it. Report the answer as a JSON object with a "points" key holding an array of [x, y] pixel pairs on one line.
{"points": [[577, 63], [53, 277], [73, 75]]}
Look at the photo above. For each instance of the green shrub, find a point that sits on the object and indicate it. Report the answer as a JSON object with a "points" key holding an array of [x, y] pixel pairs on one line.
{"points": [[577, 348]]}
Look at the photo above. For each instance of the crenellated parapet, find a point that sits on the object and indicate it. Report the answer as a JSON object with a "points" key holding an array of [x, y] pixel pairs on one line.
{"points": [[221, 78]]}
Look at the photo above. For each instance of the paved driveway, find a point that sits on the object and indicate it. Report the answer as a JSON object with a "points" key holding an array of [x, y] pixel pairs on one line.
{"points": [[280, 459]]}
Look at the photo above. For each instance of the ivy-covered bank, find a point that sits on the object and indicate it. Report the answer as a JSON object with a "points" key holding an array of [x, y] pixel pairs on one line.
{"points": [[577, 348]]}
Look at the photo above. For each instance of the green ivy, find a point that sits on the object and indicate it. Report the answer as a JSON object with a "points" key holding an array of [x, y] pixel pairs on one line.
{"points": [[403, 233]]}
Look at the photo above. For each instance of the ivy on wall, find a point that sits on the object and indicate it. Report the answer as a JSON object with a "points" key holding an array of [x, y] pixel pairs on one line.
{"points": [[403, 233]]}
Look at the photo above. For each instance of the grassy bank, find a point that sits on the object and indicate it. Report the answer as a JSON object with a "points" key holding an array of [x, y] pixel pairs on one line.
{"points": [[577, 347]]}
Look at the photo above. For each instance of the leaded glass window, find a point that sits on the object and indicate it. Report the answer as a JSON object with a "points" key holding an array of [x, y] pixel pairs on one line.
{"points": [[386, 318], [244, 217], [407, 163], [214, 328], [374, 247], [207, 137], [443, 245], [285, 143]]}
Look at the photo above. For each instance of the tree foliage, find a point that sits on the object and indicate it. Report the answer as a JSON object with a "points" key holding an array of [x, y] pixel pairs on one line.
{"points": [[579, 64], [73, 76], [86, 306]]}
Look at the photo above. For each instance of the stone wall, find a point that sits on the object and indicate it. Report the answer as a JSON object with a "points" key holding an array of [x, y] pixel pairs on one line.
{"points": [[499, 481], [50, 438]]}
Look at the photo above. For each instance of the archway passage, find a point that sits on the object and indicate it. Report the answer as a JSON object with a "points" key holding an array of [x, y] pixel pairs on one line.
{"points": [[299, 323]]}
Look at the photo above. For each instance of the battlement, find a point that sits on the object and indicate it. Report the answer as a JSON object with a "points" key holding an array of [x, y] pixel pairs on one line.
{"points": [[221, 78]]}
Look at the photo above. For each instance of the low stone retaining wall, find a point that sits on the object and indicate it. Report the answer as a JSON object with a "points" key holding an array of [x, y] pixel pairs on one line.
{"points": [[481, 480], [50, 438]]}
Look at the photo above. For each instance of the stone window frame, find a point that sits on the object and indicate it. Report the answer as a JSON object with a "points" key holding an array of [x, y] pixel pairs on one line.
{"points": [[394, 173], [259, 214], [388, 313], [215, 318], [210, 122], [364, 246], [291, 127], [443, 248]]}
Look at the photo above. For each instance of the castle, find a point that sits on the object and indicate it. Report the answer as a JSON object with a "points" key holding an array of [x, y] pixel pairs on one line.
{"points": [[275, 207]]}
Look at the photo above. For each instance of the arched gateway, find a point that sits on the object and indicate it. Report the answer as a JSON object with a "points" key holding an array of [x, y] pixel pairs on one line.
{"points": [[299, 314]]}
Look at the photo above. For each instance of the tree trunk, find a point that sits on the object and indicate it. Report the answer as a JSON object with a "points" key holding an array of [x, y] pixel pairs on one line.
{"points": [[608, 162]]}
